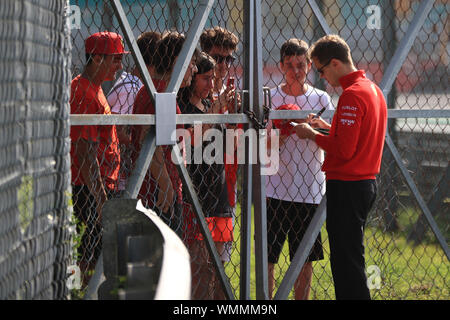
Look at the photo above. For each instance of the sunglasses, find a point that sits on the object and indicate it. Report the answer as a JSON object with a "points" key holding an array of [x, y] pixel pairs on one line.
{"points": [[219, 59], [320, 70]]}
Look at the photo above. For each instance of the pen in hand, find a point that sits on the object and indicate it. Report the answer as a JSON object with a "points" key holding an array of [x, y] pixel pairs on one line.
{"points": [[318, 114]]}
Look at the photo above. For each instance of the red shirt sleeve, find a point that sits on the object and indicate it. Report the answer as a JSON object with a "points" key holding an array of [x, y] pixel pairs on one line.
{"points": [[83, 100]]}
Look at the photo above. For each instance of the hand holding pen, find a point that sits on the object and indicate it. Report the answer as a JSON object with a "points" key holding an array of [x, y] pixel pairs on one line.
{"points": [[315, 121], [318, 114]]}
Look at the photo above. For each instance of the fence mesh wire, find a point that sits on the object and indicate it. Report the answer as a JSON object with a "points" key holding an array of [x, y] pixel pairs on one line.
{"points": [[35, 243], [404, 259], [400, 248]]}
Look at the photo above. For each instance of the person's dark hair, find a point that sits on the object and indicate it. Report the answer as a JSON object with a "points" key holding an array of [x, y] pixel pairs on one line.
{"points": [[331, 47], [204, 63], [147, 45], [219, 37], [294, 47], [167, 50]]}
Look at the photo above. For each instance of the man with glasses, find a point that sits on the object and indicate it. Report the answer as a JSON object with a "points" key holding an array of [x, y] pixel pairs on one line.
{"points": [[321, 69], [221, 44], [353, 149]]}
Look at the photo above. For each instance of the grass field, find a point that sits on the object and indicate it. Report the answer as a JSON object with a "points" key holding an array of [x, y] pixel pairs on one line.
{"points": [[407, 272]]}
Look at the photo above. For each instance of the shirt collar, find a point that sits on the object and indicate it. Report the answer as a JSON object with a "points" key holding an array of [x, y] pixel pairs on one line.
{"points": [[349, 79]]}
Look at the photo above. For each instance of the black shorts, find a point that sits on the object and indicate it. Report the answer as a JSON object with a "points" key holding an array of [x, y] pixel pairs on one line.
{"points": [[84, 209], [291, 219]]}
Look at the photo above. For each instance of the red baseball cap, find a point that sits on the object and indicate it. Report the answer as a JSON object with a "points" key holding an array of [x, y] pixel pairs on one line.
{"points": [[285, 127], [105, 42]]}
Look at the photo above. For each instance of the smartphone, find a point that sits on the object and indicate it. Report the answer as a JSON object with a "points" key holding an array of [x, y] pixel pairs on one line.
{"points": [[230, 83]]}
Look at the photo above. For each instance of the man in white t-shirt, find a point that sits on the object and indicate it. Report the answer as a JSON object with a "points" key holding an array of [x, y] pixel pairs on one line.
{"points": [[295, 191], [122, 95]]}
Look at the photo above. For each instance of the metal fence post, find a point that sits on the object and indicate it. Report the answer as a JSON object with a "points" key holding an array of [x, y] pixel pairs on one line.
{"points": [[259, 186], [247, 184]]}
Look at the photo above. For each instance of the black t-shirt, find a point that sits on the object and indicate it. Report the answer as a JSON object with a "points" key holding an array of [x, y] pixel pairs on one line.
{"points": [[208, 179]]}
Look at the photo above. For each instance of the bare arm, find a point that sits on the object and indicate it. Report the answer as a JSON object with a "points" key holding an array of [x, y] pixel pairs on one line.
{"points": [[90, 172], [159, 172]]}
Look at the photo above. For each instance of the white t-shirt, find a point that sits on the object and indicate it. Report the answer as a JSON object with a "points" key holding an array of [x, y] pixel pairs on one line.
{"points": [[123, 93], [121, 99], [299, 177]]}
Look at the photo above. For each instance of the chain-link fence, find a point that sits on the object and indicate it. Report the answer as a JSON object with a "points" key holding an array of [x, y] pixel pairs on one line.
{"points": [[403, 46], [215, 184], [35, 240], [404, 258]]}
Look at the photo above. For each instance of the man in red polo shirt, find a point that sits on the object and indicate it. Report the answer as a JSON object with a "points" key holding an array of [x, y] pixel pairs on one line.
{"points": [[94, 149], [353, 149]]}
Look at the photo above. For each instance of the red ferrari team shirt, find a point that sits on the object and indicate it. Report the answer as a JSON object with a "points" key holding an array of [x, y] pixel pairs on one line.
{"points": [[355, 143], [87, 98]]}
